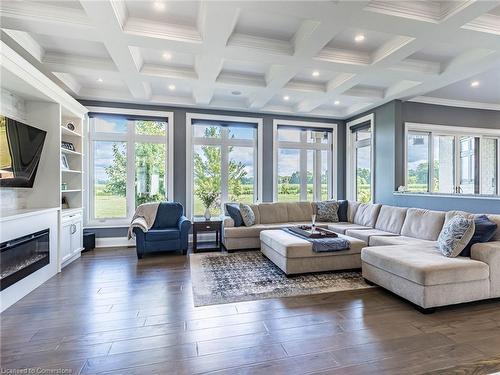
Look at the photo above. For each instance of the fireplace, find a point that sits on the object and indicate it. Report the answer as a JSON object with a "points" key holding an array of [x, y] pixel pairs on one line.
{"points": [[22, 256]]}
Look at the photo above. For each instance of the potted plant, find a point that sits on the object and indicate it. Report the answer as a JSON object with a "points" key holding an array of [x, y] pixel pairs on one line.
{"points": [[208, 199]]}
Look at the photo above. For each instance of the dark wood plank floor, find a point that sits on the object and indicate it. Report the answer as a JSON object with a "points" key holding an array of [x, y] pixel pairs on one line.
{"points": [[109, 313]]}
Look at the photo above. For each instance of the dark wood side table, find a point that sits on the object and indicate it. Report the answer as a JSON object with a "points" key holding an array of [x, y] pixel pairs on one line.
{"points": [[203, 225]]}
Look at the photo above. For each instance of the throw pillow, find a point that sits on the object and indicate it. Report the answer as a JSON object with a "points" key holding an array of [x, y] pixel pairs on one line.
{"points": [[455, 235], [327, 211], [247, 215], [484, 231], [342, 212], [233, 209]]}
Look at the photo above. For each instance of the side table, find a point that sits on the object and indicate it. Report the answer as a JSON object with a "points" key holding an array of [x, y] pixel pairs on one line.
{"points": [[203, 225]]}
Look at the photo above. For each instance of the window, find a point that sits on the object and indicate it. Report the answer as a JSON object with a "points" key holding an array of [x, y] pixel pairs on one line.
{"points": [[359, 162], [303, 167], [462, 161], [224, 160], [128, 163]]}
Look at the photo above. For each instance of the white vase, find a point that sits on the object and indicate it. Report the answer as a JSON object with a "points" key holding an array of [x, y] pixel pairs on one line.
{"points": [[208, 215]]}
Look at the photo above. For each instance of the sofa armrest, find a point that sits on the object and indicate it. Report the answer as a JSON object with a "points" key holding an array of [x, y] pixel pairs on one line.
{"points": [[184, 224], [228, 222], [489, 253]]}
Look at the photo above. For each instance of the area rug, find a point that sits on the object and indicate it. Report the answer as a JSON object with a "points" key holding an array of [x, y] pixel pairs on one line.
{"points": [[242, 276]]}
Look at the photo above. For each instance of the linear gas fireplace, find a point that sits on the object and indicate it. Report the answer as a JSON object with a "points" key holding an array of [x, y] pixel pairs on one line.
{"points": [[22, 256]]}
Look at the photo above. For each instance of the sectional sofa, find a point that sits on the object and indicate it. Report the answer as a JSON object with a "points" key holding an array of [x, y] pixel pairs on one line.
{"points": [[400, 253]]}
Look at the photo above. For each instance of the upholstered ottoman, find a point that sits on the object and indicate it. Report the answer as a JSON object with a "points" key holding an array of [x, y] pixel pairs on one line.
{"points": [[294, 255]]}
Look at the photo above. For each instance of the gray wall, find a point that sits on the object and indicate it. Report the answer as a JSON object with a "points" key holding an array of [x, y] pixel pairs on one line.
{"points": [[180, 150], [389, 151]]}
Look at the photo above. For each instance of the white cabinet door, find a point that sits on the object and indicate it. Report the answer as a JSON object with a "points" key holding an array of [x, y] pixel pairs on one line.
{"points": [[66, 250], [76, 236]]}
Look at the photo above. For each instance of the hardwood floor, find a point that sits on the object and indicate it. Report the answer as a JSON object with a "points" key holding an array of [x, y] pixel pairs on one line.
{"points": [[109, 313]]}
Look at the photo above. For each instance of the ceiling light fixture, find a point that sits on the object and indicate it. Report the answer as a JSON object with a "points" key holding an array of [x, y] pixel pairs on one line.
{"points": [[474, 84], [286, 98], [315, 73], [100, 80], [159, 6], [336, 102], [167, 55], [171, 87], [359, 38], [236, 92]]}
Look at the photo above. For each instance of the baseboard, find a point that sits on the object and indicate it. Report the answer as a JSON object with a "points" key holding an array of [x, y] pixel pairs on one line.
{"points": [[114, 242]]}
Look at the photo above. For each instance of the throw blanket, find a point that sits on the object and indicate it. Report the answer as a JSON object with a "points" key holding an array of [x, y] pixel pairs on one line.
{"points": [[144, 218], [324, 245]]}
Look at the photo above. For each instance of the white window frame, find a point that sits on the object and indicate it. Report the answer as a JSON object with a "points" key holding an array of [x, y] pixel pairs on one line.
{"points": [[456, 132], [351, 157], [305, 146], [131, 138], [224, 144]]}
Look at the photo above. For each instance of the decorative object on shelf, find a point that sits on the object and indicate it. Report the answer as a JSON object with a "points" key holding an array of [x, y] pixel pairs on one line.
{"points": [[64, 203], [64, 162], [208, 199], [68, 145], [64, 186], [70, 126]]}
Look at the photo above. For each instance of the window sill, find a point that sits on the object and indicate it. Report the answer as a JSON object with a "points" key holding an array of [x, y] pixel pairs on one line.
{"points": [[444, 195]]}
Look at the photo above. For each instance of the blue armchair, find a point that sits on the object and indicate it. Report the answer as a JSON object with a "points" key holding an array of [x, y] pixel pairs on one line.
{"points": [[169, 232]]}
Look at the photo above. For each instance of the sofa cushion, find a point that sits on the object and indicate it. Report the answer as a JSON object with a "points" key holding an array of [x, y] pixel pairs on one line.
{"points": [[233, 209], [327, 211], [400, 240], [162, 234], [352, 207], [342, 212], [456, 234], [484, 231], [391, 219], [273, 213], [423, 224], [253, 231], [424, 266], [291, 246], [495, 219], [367, 214], [247, 215], [299, 211], [341, 227], [365, 234]]}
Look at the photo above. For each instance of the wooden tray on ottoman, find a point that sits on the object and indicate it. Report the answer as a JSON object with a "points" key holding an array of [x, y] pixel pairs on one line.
{"points": [[306, 231]]}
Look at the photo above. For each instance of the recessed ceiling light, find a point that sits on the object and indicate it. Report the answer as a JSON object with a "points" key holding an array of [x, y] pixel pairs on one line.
{"points": [[236, 92], [336, 102], [167, 55], [171, 87], [100, 80], [286, 98], [159, 5], [474, 84], [359, 38], [315, 73]]}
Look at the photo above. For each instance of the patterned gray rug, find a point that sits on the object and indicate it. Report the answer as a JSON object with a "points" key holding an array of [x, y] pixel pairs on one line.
{"points": [[243, 276]]}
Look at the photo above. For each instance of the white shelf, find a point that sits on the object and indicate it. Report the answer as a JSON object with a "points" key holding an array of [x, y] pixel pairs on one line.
{"points": [[69, 152], [70, 171], [66, 131], [71, 191]]}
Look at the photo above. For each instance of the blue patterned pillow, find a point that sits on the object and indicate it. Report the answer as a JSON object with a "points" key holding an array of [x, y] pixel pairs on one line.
{"points": [[455, 235], [483, 232], [247, 215], [327, 211], [233, 210]]}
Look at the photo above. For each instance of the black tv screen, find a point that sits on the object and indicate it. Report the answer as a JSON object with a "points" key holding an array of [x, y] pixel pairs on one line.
{"points": [[20, 150]]}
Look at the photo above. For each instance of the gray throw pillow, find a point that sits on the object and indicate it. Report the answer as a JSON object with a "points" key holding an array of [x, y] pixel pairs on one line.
{"points": [[327, 211], [455, 235], [247, 214]]}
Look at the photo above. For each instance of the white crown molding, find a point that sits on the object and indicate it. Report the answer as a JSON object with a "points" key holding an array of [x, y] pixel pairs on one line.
{"points": [[488, 23], [420, 66], [366, 92], [455, 103], [390, 47], [274, 46], [152, 29], [343, 56], [169, 72], [415, 10], [305, 86], [230, 78]]}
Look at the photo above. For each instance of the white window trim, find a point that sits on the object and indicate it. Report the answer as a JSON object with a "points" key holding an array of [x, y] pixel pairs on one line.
{"points": [[332, 163], [351, 157], [130, 138], [455, 131], [189, 153]]}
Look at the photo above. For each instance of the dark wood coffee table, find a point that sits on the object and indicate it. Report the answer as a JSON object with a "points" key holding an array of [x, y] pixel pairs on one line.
{"points": [[203, 225]]}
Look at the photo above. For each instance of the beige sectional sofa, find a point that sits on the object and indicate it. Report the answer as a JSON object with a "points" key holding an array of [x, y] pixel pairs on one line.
{"points": [[401, 253]]}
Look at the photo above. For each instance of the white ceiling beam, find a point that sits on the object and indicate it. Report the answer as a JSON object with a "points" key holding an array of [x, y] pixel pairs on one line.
{"points": [[107, 17]]}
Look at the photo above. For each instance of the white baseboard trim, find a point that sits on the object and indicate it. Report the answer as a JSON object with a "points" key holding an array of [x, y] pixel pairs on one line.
{"points": [[114, 242]]}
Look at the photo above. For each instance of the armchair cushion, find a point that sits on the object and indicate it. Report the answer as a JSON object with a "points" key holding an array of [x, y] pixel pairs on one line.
{"points": [[162, 234], [168, 215]]}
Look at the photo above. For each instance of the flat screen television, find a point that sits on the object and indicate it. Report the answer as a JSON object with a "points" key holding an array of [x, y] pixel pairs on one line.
{"points": [[20, 151]]}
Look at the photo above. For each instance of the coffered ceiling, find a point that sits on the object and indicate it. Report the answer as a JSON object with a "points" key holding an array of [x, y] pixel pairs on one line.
{"points": [[314, 58]]}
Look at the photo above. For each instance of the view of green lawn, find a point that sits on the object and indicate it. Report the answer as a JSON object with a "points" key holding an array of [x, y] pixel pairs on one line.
{"points": [[109, 205]]}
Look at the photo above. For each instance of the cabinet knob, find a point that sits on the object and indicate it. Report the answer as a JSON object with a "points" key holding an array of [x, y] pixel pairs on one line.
{"points": [[207, 227]]}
